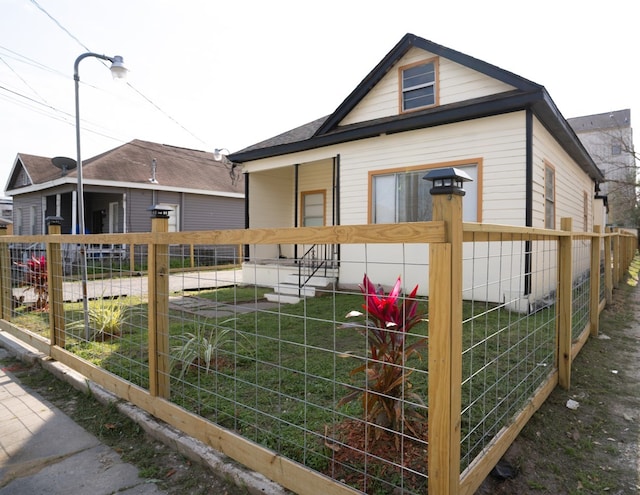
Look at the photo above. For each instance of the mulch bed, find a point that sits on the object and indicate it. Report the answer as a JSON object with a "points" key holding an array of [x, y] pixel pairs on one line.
{"points": [[382, 466]]}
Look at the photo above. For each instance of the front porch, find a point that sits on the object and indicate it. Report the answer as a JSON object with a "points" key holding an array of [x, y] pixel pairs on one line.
{"points": [[296, 277]]}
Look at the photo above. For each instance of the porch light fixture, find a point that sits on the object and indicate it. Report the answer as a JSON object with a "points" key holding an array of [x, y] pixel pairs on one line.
{"points": [[447, 181], [221, 157], [158, 211], [118, 71]]}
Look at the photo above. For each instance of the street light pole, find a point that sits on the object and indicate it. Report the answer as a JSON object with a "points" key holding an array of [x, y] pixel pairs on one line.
{"points": [[118, 71]]}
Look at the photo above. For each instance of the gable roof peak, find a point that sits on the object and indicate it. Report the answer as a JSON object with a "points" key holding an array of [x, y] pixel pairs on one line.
{"points": [[390, 60]]}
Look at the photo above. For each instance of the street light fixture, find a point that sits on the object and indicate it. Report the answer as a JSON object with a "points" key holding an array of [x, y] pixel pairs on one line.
{"points": [[118, 71]]}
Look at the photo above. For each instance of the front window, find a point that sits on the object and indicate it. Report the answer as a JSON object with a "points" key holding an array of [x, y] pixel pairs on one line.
{"points": [[403, 196], [418, 86], [549, 197], [313, 209]]}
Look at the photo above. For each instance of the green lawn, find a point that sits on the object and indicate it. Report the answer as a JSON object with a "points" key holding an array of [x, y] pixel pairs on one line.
{"points": [[277, 375]]}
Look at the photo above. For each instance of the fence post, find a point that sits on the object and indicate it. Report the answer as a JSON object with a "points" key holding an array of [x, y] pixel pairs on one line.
{"points": [[445, 334], [594, 282], [6, 284], [132, 258], [158, 264], [54, 279], [616, 258], [608, 272], [564, 306]]}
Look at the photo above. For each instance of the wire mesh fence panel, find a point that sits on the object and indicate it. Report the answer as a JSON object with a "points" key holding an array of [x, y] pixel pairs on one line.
{"points": [[581, 286], [106, 314], [293, 373], [29, 291], [509, 344], [317, 351]]}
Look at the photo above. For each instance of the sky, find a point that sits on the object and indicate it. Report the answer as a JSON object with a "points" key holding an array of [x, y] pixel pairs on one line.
{"points": [[206, 74]]}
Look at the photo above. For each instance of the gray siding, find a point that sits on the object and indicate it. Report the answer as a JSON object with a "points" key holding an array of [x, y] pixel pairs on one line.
{"points": [[212, 213], [138, 215], [23, 206]]}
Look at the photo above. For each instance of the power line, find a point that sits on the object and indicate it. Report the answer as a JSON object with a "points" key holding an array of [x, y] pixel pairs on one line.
{"points": [[53, 19]]}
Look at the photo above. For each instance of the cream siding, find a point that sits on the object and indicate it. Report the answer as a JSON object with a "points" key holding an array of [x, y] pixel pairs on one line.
{"points": [[271, 206], [317, 176], [498, 141], [571, 182], [455, 83]]}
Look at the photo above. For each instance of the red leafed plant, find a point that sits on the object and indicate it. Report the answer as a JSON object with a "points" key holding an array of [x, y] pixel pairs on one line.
{"points": [[35, 277], [387, 323]]}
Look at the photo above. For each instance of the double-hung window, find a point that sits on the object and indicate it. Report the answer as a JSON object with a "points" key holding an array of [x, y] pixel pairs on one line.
{"points": [[404, 196], [549, 197], [313, 209], [418, 85]]}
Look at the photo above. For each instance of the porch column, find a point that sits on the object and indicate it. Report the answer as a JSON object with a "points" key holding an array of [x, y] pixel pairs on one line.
{"points": [[74, 212]]}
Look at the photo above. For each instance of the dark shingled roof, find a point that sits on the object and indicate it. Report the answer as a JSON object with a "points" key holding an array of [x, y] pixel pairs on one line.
{"points": [[131, 164]]}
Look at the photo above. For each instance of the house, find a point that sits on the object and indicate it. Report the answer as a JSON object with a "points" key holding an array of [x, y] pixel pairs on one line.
{"points": [[609, 139], [121, 184], [424, 106], [6, 212]]}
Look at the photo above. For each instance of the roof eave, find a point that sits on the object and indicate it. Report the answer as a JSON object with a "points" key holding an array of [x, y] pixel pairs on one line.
{"points": [[538, 100], [403, 123]]}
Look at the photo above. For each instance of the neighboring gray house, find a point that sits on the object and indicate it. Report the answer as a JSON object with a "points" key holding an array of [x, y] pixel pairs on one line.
{"points": [[6, 211], [608, 137], [121, 184]]}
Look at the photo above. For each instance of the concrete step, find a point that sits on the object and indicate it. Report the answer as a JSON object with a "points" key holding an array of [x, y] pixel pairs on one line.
{"points": [[315, 281], [282, 298], [293, 290]]}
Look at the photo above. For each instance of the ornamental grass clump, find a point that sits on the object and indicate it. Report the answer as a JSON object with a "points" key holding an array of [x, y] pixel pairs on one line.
{"points": [[388, 320]]}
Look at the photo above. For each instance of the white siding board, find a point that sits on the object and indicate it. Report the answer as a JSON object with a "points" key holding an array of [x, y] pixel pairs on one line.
{"points": [[456, 83]]}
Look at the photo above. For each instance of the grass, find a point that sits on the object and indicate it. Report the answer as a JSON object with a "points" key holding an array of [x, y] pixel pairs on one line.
{"points": [[281, 390]]}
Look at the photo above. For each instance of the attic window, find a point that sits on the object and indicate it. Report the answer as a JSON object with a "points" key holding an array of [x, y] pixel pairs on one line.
{"points": [[418, 85]]}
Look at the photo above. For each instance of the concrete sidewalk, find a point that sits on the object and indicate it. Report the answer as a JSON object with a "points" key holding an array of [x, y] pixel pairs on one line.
{"points": [[43, 451]]}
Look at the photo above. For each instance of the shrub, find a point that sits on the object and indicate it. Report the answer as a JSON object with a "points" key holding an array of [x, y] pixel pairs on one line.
{"points": [[201, 347], [106, 318], [387, 322], [35, 278]]}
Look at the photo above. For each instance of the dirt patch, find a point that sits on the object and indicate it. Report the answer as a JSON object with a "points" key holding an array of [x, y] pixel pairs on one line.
{"points": [[594, 448]]}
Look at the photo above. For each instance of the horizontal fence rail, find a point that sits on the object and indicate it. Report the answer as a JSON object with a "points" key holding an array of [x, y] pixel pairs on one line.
{"points": [[411, 365]]}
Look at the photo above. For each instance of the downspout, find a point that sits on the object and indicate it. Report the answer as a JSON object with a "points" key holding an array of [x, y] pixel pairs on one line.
{"points": [[336, 197], [296, 175], [124, 213], [528, 198], [246, 212]]}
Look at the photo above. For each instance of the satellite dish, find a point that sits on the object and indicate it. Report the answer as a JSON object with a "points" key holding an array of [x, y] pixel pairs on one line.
{"points": [[64, 163]]}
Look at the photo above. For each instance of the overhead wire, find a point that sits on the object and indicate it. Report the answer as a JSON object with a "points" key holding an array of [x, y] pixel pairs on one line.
{"points": [[146, 98]]}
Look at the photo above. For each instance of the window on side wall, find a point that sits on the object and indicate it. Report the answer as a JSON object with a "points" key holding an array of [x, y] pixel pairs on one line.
{"points": [[17, 228], [549, 197], [585, 211], [404, 196], [418, 85]]}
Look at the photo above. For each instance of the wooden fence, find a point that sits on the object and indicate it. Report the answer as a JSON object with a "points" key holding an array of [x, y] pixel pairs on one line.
{"points": [[446, 375]]}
